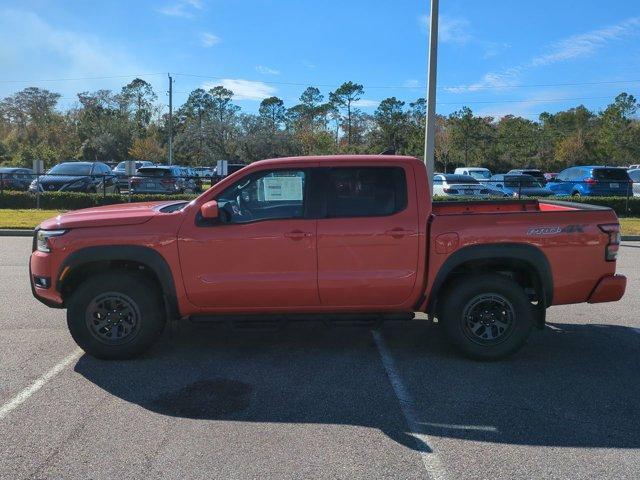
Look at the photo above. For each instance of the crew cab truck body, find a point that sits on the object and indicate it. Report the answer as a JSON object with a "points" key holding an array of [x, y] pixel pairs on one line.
{"points": [[324, 237]]}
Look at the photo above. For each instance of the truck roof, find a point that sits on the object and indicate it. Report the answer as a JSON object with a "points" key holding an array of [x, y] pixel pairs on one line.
{"points": [[332, 158]]}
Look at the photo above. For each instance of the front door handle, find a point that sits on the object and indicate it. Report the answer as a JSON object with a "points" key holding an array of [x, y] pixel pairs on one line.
{"points": [[399, 232], [297, 235]]}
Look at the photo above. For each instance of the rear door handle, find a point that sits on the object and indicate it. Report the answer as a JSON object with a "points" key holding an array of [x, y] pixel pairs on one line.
{"points": [[297, 235], [399, 232]]}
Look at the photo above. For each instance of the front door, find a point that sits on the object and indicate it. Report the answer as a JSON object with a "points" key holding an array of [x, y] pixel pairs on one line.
{"points": [[261, 252], [368, 244]]}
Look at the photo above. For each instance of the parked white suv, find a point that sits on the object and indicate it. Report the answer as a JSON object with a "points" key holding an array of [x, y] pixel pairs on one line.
{"points": [[478, 173]]}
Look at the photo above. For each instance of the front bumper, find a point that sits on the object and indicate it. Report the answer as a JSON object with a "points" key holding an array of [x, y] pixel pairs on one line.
{"points": [[609, 289], [40, 267]]}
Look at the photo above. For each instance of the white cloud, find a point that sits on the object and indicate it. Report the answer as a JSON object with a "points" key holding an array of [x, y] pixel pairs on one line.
{"points": [[412, 83], [266, 70], [576, 46], [493, 49], [244, 89], [450, 30], [364, 103], [31, 48], [182, 8], [586, 44], [491, 80], [529, 107], [209, 39]]}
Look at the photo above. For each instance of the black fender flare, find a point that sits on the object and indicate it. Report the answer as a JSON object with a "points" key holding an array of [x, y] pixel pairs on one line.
{"points": [[147, 256], [535, 259]]}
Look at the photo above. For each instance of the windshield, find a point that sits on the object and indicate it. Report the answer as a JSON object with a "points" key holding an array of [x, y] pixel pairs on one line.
{"points": [[521, 181], [71, 169], [480, 174]]}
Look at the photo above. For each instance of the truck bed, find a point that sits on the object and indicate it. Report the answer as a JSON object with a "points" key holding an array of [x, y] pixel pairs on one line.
{"points": [[509, 206], [567, 233]]}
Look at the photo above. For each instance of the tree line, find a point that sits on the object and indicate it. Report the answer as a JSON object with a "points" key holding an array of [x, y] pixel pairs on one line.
{"points": [[130, 124]]}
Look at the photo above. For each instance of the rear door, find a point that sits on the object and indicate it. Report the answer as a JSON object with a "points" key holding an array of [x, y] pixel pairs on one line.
{"points": [[368, 239]]}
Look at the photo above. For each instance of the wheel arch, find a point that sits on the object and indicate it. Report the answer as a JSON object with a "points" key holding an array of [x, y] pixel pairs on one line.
{"points": [[90, 260], [527, 262]]}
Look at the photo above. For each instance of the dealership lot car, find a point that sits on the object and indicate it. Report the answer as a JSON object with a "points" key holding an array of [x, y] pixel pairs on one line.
{"points": [[15, 178], [591, 181], [532, 172], [519, 185], [85, 177], [458, 185], [120, 172], [635, 178], [160, 180]]}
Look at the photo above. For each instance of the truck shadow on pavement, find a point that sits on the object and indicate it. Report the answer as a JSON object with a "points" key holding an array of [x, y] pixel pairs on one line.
{"points": [[571, 386]]}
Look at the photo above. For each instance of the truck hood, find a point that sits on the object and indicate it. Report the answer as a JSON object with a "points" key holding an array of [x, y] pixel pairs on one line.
{"points": [[107, 216]]}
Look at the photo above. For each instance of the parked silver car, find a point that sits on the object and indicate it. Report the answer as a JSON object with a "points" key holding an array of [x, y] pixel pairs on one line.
{"points": [[160, 180]]}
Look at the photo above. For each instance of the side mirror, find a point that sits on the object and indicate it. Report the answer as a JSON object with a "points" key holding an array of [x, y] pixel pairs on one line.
{"points": [[499, 185], [209, 210]]}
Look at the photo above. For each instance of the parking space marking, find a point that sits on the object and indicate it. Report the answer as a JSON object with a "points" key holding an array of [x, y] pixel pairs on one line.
{"points": [[24, 395], [432, 464]]}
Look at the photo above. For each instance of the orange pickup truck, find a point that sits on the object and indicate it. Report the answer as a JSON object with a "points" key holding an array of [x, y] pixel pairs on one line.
{"points": [[337, 237]]}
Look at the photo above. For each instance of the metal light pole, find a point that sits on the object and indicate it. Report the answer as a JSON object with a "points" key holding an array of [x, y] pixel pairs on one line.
{"points": [[430, 127], [170, 119]]}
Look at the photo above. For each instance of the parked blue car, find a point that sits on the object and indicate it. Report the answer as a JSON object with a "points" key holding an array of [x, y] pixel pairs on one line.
{"points": [[518, 185], [591, 181]]}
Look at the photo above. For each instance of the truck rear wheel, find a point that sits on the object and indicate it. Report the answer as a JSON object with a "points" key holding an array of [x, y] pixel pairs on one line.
{"points": [[115, 315], [487, 317]]}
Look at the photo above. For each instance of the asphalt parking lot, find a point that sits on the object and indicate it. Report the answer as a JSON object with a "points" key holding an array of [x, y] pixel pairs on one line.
{"points": [[313, 402]]}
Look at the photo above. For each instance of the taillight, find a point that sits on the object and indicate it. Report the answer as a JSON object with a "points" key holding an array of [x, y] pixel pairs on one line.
{"points": [[611, 250], [450, 190], [591, 181]]}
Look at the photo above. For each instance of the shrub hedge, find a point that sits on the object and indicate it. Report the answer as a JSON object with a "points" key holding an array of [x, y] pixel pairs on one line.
{"points": [[74, 201]]}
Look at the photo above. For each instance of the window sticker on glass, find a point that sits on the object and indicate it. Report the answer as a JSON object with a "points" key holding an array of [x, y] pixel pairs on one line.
{"points": [[282, 188]]}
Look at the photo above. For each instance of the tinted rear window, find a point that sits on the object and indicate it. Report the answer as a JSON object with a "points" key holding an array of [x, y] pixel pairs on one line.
{"points": [[366, 192], [610, 174], [155, 172], [460, 179], [521, 181]]}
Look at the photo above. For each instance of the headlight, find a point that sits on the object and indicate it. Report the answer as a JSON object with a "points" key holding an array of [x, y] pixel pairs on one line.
{"points": [[42, 239]]}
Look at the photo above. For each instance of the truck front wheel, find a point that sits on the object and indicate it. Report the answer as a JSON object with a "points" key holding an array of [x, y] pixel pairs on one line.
{"points": [[115, 315], [486, 317]]}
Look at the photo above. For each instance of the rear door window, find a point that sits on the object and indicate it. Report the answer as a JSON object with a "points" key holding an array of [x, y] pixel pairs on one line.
{"points": [[366, 191]]}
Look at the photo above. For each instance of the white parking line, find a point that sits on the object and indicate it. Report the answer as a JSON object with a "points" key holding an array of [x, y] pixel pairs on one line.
{"points": [[434, 467], [24, 395]]}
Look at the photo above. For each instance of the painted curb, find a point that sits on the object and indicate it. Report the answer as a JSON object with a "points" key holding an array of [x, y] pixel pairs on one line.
{"points": [[10, 232]]}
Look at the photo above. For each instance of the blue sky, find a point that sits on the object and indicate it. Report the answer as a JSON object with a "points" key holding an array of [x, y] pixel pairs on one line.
{"points": [[498, 57]]}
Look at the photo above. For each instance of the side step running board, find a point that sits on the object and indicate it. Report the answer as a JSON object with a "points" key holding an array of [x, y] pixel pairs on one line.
{"points": [[276, 322]]}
